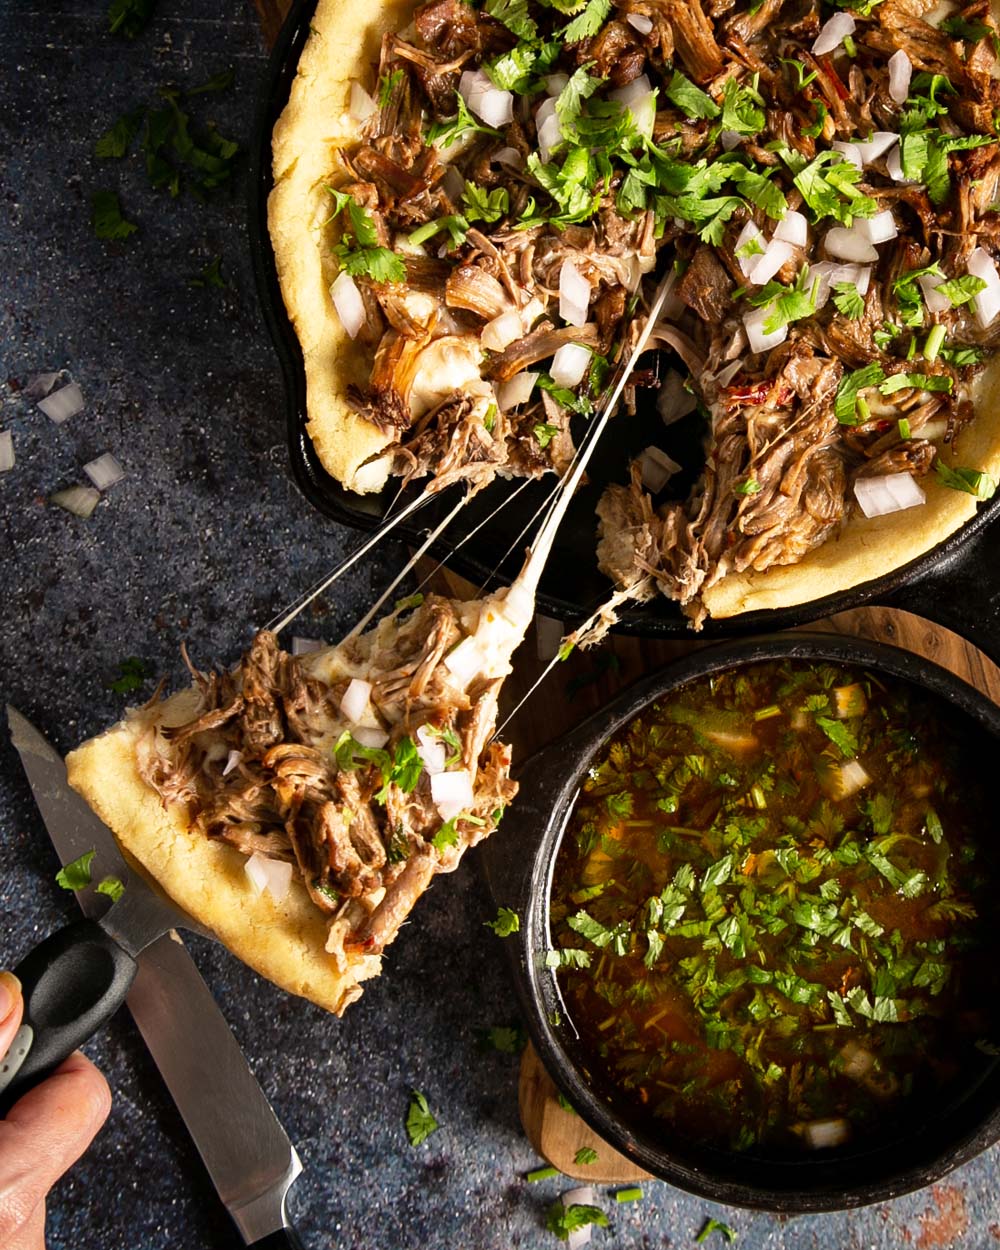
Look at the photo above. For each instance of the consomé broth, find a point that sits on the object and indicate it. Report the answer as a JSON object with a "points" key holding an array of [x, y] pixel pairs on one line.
{"points": [[767, 908]]}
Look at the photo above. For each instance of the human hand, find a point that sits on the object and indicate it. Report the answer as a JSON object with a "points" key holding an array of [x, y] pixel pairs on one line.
{"points": [[44, 1133]]}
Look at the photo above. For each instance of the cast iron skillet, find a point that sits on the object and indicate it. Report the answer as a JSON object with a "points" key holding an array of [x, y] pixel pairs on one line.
{"points": [[519, 866], [946, 584]]}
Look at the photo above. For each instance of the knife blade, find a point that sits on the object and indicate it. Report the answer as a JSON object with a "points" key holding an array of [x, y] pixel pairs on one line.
{"points": [[247, 1153]]}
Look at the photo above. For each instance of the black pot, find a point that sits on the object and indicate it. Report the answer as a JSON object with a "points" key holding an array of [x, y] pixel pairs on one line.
{"points": [[519, 862]]}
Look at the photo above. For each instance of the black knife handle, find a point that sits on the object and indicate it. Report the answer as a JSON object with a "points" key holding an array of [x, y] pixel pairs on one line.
{"points": [[73, 982], [282, 1239]]}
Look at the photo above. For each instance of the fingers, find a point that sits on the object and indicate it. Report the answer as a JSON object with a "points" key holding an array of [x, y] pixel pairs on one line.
{"points": [[43, 1135], [11, 1007]]}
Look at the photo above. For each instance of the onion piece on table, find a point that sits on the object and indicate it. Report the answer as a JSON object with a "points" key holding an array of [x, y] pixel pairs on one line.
{"points": [[6, 451], [517, 390], [833, 33], [760, 341], [900, 73], [986, 302], [62, 404], [574, 295], [80, 500], [362, 105], [452, 793], [890, 492], [349, 304], [273, 875], [355, 700], [657, 469], [569, 364], [104, 472]]}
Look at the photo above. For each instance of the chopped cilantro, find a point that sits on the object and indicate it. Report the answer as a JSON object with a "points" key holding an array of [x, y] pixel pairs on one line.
{"points": [[563, 1220], [358, 251], [742, 108], [961, 290], [483, 205], [715, 1226], [972, 481], [848, 300], [691, 100], [971, 32], [112, 887], [922, 381], [106, 218], [851, 385], [76, 874], [568, 957], [420, 1123], [133, 674], [211, 275], [114, 143], [589, 22], [506, 923], [445, 133], [514, 15], [545, 433], [507, 1039], [387, 85], [129, 17]]}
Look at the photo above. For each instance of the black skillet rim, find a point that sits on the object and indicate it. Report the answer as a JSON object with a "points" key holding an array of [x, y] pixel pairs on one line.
{"points": [[658, 619], [552, 777]]}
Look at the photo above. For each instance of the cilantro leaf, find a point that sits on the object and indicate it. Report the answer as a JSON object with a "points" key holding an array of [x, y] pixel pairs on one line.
{"points": [[507, 1039], [387, 85], [133, 674], [922, 381], [742, 108], [106, 218], [358, 251], [211, 275], [760, 190], [129, 17], [851, 385], [114, 143], [112, 887], [589, 22], [568, 957], [839, 734], [691, 100], [545, 433], [76, 874], [563, 1220], [972, 481], [483, 205], [420, 1123], [971, 32], [444, 134], [848, 300], [960, 290], [506, 923], [514, 15]]}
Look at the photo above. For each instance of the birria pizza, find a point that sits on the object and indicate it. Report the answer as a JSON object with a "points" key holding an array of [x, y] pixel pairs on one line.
{"points": [[474, 200]]}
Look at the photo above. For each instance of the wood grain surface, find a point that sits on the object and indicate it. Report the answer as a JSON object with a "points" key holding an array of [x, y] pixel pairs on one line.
{"points": [[583, 684]]}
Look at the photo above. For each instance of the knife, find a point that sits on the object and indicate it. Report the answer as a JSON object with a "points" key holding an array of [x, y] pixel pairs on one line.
{"points": [[76, 979]]}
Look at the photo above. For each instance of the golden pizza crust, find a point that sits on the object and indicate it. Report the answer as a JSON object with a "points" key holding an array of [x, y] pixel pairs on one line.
{"points": [[866, 549], [284, 942], [342, 47]]}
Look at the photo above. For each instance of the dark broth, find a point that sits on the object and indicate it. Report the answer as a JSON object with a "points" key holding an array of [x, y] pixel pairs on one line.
{"points": [[766, 908]]}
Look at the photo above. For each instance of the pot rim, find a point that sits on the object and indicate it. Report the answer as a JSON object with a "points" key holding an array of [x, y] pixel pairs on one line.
{"points": [[550, 784]]}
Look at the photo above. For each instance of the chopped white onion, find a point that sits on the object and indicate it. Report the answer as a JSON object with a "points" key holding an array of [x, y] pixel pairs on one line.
{"points": [[639, 99], [929, 284], [369, 736], [748, 236], [892, 492], [833, 33], [516, 391], [473, 85], [849, 151], [900, 72], [548, 637], [878, 229], [987, 302], [569, 364], [104, 472], [574, 295], [6, 451], [232, 762], [933, 430], [452, 792], [362, 105], [40, 385], [431, 750], [849, 778], [758, 340], [657, 469], [793, 228], [80, 500], [894, 166], [849, 244], [348, 302], [822, 1134], [302, 646], [879, 143], [354, 702], [775, 255], [501, 331], [465, 661], [273, 875], [60, 405], [827, 273], [496, 108], [858, 1060], [453, 184], [556, 84], [550, 133], [674, 400], [728, 372], [508, 156], [582, 1197], [730, 139], [640, 22]]}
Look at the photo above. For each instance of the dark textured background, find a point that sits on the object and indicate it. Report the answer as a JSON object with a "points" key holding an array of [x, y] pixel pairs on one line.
{"points": [[205, 538]]}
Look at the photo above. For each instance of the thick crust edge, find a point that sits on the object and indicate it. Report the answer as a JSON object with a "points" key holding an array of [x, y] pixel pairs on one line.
{"points": [[284, 942]]}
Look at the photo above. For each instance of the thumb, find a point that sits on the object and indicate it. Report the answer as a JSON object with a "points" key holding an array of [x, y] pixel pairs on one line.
{"points": [[44, 1134]]}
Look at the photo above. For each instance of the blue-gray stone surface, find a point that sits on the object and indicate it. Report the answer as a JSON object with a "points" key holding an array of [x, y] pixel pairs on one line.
{"points": [[206, 537]]}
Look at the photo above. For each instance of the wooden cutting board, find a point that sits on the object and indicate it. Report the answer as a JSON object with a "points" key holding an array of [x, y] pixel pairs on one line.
{"points": [[582, 685]]}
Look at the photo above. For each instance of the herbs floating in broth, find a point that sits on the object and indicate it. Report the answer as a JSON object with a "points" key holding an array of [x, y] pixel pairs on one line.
{"points": [[766, 903]]}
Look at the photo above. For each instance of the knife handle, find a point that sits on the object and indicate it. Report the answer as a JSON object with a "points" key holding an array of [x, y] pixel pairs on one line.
{"points": [[282, 1239], [73, 982]]}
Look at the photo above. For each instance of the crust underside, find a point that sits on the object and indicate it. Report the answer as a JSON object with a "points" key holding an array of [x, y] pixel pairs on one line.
{"points": [[343, 46], [284, 942]]}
